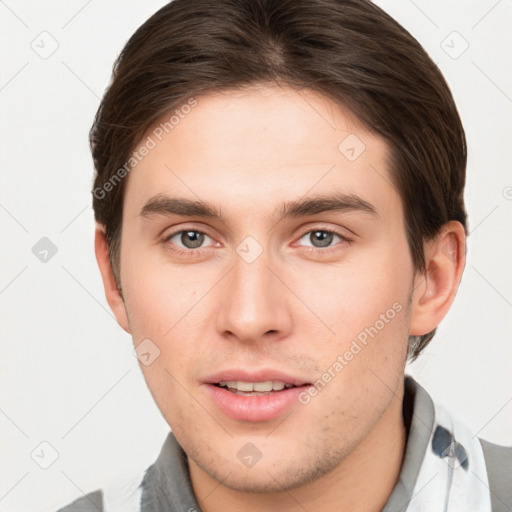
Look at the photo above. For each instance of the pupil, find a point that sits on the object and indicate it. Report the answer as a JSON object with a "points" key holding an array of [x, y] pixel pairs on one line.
{"points": [[323, 237], [192, 239]]}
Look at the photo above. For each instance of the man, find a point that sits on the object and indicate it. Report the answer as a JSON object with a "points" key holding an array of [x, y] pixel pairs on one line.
{"points": [[281, 225]]}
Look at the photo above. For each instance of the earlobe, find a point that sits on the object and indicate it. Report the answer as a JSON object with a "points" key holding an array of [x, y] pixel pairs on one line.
{"points": [[435, 290], [112, 293]]}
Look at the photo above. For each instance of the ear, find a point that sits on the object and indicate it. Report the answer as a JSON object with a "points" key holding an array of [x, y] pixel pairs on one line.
{"points": [[434, 291], [112, 293]]}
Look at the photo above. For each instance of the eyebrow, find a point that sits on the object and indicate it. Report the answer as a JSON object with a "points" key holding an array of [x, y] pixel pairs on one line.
{"points": [[339, 202]]}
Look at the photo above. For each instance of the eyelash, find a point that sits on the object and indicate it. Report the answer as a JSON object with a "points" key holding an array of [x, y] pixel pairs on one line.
{"points": [[199, 251]]}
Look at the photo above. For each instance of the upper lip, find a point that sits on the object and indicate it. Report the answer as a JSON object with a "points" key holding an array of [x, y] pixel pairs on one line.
{"points": [[263, 375]]}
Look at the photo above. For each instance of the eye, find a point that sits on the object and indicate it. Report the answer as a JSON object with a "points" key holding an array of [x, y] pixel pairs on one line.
{"points": [[320, 238], [186, 240]]}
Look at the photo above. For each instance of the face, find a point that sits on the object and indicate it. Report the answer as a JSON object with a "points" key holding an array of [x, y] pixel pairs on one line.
{"points": [[295, 271]]}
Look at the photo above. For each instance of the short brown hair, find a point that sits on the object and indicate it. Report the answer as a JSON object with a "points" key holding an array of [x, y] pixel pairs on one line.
{"points": [[350, 51]]}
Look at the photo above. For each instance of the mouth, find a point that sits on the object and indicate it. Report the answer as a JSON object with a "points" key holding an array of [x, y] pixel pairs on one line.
{"points": [[254, 397]]}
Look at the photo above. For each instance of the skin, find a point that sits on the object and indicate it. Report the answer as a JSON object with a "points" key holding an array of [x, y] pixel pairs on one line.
{"points": [[295, 308]]}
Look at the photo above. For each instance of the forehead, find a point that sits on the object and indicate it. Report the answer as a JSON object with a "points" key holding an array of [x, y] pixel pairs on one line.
{"points": [[256, 147]]}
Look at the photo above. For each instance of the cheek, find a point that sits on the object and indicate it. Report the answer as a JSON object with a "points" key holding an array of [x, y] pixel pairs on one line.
{"points": [[352, 295], [164, 304], [157, 294], [365, 304]]}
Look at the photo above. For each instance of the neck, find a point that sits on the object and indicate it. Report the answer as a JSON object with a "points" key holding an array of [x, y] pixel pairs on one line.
{"points": [[362, 482]]}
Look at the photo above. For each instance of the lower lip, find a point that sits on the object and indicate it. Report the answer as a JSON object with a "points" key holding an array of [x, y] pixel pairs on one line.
{"points": [[254, 408]]}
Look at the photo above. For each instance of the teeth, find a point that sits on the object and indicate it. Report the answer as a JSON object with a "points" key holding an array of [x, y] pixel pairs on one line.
{"points": [[276, 386], [242, 386], [255, 386]]}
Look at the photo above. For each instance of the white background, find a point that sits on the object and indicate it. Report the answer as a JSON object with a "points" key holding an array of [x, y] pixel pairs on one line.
{"points": [[68, 375]]}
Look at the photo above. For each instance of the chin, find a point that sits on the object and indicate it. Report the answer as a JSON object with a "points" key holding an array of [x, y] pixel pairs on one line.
{"points": [[272, 478], [254, 483]]}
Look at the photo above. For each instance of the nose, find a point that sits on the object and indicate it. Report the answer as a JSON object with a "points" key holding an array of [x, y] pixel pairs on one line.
{"points": [[255, 304]]}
